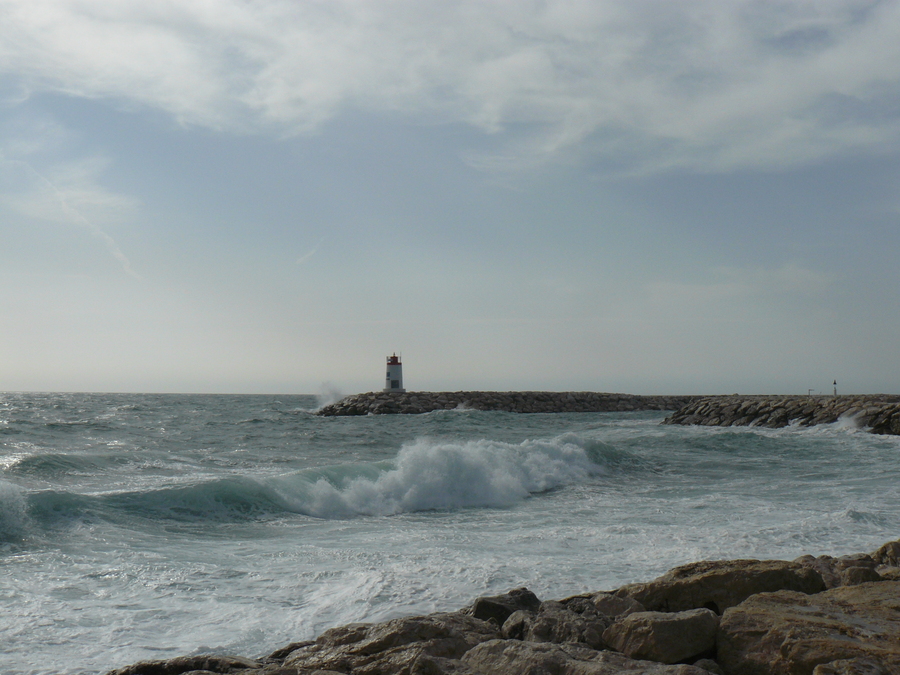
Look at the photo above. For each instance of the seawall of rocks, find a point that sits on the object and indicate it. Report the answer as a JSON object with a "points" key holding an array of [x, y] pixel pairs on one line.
{"points": [[416, 402], [879, 413], [811, 616]]}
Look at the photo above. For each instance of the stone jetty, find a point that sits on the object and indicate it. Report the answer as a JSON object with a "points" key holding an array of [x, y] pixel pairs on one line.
{"points": [[878, 413], [811, 616], [417, 402]]}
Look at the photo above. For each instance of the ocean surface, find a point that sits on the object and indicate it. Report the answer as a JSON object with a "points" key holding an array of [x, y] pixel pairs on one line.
{"points": [[138, 526]]}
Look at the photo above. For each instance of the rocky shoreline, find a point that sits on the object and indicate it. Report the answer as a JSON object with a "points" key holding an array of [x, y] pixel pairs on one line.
{"points": [[878, 413], [418, 402], [811, 616]]}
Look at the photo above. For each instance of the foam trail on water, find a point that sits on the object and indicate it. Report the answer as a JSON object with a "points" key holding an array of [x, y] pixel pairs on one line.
{"points": [[428, 475]]}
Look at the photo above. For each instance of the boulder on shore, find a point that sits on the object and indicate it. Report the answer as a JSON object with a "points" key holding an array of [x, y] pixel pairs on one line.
{"points": [[788, 633], [720, 584], [667, 637]]}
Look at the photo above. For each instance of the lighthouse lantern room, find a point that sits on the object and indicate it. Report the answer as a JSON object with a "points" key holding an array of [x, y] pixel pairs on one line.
{"points": [[393, 381]]}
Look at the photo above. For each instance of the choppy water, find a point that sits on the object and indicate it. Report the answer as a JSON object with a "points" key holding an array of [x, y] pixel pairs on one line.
{"points": [[149, 526]]}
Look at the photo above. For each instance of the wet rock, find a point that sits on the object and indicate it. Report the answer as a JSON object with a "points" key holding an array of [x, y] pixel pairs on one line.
{"points": [[717, 585], [190, 664], [789, 633], [396, 646], [664, 637], [500, 607], [512, 657]]}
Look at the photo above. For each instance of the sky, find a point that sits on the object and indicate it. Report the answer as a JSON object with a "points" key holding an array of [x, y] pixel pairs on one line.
{"points": [[271, 196]]}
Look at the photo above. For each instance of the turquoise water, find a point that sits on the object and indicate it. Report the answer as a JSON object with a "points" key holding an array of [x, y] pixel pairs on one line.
{"points": [[150, 526]]}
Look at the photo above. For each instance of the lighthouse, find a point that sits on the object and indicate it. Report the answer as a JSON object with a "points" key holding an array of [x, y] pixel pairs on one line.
{"points": [[393, 381]]}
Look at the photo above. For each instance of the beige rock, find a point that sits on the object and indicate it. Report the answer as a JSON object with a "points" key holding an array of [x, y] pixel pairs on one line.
{"points": [[709, 666], [889, 573], [851, 667], [789, 633], [613, 606], [186, 664], [664, 637], [576, 621], [512, 657], [851, 576], [718, 585], [826, 566], [888, 554], [395, 646]]}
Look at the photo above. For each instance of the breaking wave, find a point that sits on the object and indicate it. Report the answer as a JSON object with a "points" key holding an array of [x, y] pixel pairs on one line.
{"points": [[424, 476], [428, 476]]}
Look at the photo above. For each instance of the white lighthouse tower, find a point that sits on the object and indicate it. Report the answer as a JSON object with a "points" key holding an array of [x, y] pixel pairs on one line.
{"points": [[393, 381]]}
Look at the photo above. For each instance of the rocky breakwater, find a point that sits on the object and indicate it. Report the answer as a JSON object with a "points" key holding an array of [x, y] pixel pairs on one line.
{"points": [[410, 403], [878, 413], [811, 616]]}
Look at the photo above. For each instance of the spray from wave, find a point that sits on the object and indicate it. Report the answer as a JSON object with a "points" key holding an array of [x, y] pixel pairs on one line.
{"points": [[328, 394]]}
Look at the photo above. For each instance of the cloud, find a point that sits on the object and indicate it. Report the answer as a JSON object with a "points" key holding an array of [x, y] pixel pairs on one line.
{"points": [[66, 192], [309, 254], [646, 85]]}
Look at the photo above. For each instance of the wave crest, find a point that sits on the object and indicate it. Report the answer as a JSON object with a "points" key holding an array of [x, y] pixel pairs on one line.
{"points": [[428, 475], [425, 475]]}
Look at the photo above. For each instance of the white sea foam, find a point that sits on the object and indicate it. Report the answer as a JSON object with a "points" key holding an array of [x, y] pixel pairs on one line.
{"points": [[429, 475]]}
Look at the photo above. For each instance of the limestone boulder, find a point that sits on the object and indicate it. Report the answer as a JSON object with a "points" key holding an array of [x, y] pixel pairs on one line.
{"points": [[664, 637], [559, 622], [613, 606], [837, 631], [720, 584], [889, 573], [850, 576], [514, 657], [888, 554], [847, 570], [400, 646]]}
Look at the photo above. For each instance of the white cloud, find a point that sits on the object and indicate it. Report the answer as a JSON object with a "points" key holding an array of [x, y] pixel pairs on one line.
{"points": [[64, 192], [655, 83]]}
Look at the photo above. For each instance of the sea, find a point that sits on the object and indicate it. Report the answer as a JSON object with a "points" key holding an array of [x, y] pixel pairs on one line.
{"points": [[142, 526]]}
